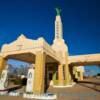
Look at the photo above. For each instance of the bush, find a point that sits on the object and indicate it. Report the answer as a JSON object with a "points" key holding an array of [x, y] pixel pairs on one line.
{"points": [[18, 81]]}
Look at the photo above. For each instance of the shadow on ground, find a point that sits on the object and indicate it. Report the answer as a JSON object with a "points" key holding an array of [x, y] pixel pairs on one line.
{"points": [[14, 88], [92, 85]]}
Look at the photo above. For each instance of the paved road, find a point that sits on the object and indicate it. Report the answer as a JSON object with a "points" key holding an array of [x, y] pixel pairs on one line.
{"points": [[88, 89]]}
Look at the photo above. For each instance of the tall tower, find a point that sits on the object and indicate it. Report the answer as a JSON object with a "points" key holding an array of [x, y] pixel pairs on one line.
{"points": [[58, 26], [58, 44]]}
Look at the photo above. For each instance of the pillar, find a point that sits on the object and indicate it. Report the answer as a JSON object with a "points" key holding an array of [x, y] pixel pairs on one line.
{"points": [[67, 72], [60, 75], [39, 76], [2, 63], [78, 74], [75, 73], [54, 75], [81, 76]]}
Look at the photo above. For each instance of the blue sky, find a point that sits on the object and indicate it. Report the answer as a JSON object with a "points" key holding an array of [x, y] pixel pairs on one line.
{"points": [[35, 18]]}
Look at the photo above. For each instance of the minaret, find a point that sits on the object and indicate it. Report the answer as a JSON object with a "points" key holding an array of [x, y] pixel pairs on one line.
{"points": [[58, 26]]}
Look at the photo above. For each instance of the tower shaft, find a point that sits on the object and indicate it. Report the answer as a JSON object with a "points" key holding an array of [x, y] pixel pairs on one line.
{"points": [[58, 28], [58, 44]]}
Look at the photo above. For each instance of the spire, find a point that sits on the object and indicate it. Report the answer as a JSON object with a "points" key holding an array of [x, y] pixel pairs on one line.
{"points": [[58, 26]]}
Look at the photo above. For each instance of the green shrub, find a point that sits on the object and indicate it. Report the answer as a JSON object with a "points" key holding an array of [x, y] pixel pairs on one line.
{"points": [[18, 81]]}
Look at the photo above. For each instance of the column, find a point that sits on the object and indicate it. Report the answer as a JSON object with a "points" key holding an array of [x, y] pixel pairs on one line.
{"points": [[60, 74], [67, 72], [54, 75], [2, 63], [81, 75], [39, 76], [75, 73]]}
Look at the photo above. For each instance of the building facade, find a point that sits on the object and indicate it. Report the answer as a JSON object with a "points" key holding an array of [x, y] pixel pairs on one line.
{"points": [[51, 62]]}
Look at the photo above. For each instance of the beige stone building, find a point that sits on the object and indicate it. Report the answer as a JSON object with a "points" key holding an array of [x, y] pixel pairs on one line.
{"points": [[53, 65]]}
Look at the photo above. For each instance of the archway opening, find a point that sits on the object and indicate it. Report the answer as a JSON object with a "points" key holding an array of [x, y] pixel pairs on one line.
{"points": [[17, 74], [91, 71]]}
